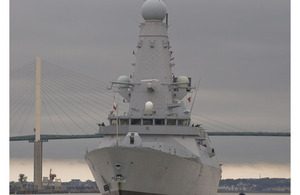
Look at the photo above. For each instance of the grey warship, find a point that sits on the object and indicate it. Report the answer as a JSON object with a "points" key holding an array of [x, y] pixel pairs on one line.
{"points": [[153, 148]]}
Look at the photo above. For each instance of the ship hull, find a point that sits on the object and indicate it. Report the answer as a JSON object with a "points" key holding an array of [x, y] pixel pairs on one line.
{"points": [[145, 171]]}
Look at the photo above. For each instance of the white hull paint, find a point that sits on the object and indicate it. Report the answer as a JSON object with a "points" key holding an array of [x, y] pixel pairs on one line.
{"points": [[148, 171]]}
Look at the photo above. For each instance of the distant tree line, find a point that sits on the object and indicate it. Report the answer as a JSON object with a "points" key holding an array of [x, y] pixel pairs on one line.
{"points": [[255, 185]]}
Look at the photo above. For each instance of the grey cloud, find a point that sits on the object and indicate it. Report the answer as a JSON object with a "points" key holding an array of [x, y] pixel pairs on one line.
{"points": [[239, 49]]}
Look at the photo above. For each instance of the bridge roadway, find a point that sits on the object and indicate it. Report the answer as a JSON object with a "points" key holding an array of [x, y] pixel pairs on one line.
{"points": [[46, 137]]}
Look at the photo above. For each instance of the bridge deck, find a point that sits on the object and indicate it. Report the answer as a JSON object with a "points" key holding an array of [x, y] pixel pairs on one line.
{"points": [[46, 137]]}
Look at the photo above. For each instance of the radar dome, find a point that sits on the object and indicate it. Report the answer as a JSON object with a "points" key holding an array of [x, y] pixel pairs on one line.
{"points": [[184, 80], [123, 79], [154, 10], [149, 107]]}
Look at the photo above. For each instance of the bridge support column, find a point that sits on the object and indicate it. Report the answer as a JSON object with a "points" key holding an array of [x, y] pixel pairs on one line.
{"points": [[38, 143], [38, 153]]}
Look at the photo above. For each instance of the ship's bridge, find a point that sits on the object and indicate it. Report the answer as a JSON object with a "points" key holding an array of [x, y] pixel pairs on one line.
{"points": [[149, 125], [148, 120]]}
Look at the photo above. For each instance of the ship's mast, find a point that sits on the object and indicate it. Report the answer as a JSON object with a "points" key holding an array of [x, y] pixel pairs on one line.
{"points": [[152, 67], [153, 91]]}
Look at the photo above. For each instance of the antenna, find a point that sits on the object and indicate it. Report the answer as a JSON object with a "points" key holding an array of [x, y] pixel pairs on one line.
{"points": [[195, 96], [167, 20]]}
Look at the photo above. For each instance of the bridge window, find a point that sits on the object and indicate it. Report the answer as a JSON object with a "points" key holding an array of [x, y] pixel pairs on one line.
{"points": [[113, 122], [159, 121], [136, 121], [171, 121], [124, 121], [182, 122], [148, 122]]}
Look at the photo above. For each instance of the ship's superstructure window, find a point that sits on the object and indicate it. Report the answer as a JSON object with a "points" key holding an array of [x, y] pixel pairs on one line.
{"points": [[182, 122], [171, 121], [124, 121], [132, 138], [148, 122], [159, 121], [136, 121], [113, 121]]}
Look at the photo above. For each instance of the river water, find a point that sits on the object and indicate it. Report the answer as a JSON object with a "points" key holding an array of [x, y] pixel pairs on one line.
{"points": [[255, 193], [218, 194]]}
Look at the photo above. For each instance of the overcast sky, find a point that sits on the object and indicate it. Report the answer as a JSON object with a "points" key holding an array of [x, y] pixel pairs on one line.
{"points": [[239, 48]]}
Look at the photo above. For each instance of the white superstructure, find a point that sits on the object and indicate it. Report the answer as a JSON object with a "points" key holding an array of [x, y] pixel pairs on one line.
{"points": [[153, 149]]}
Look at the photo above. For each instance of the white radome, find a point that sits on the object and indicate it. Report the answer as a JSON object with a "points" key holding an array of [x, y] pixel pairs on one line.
{"points": [[149, 106], [154, 10], [184, 80], [123, 79]]}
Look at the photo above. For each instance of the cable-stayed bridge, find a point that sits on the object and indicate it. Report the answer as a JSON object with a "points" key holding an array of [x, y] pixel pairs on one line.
{"points": [[73, 105]]}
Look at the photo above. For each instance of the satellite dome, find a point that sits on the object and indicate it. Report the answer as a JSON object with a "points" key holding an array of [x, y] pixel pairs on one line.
{"points": [[183, 81], [148, 107], [154, 10], [123, 79]]}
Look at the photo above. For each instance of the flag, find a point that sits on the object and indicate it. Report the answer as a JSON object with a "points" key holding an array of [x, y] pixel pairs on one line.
{"points": [[189, 99], [115, 106]]}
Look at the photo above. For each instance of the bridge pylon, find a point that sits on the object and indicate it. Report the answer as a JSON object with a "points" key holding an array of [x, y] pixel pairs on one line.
{"points": [[38, 165], [38, 154]]}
